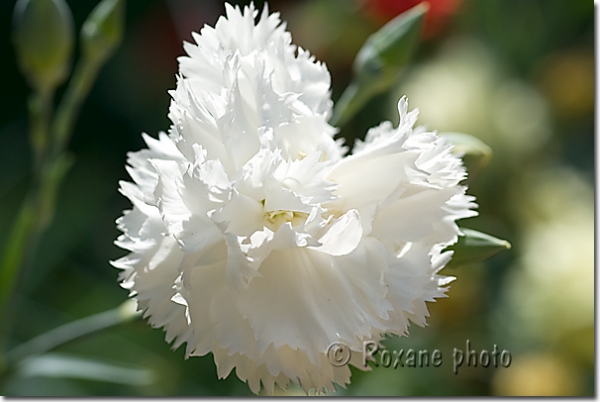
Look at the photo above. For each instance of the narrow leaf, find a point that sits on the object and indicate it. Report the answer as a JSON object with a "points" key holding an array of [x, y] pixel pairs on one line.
{"points": [[475, 153], [59, 365], [475, 247], [76, 329]]}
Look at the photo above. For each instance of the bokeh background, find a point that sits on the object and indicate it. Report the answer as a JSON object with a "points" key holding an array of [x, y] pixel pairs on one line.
{"points": [[518, 74]]}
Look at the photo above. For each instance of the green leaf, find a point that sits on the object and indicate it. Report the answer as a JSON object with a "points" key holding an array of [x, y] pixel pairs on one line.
{"points": [[475, 153], [102, 32], [60, 365], [379, 62], [43, 37], [475, 247]]}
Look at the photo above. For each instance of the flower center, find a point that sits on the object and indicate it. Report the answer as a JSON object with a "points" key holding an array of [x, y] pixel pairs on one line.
{"points": [[274, 219]]}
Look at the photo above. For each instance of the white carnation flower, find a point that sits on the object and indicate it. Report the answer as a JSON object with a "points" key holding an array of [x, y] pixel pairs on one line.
{"points": [[253, 238]]}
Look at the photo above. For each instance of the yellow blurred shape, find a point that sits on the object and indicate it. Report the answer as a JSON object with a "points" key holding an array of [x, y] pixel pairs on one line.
{"points": [[536, 375], [567, 79]]}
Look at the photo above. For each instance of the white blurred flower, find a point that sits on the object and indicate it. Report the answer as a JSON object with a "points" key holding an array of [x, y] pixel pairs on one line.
{"points": [[550, 294], [253, 238]]}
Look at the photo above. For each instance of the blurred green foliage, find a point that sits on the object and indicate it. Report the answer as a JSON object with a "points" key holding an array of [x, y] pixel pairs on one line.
{"points": [[517, 74]]}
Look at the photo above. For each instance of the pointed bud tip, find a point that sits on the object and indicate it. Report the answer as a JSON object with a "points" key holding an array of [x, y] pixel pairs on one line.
{"points": [[474, 247], [102, 32]]}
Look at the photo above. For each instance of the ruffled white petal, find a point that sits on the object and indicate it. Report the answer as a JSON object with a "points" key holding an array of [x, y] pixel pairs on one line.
{"points": [[252, 238]]}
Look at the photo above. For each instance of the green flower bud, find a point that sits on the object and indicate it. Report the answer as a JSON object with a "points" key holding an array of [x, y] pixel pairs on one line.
{"points": [[388, 50], [43, 38], [379, 61], [103, 30]]}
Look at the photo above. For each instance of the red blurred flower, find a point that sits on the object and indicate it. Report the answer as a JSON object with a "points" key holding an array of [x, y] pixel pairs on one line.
{"points": [[438, 15]]}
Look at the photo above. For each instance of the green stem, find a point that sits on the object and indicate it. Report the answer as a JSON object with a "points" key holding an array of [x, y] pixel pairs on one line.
{"points": [[26, 229], [20, 239], [73, 330], [79, 87], [351, 101], [51, 163], [40, 113]]}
